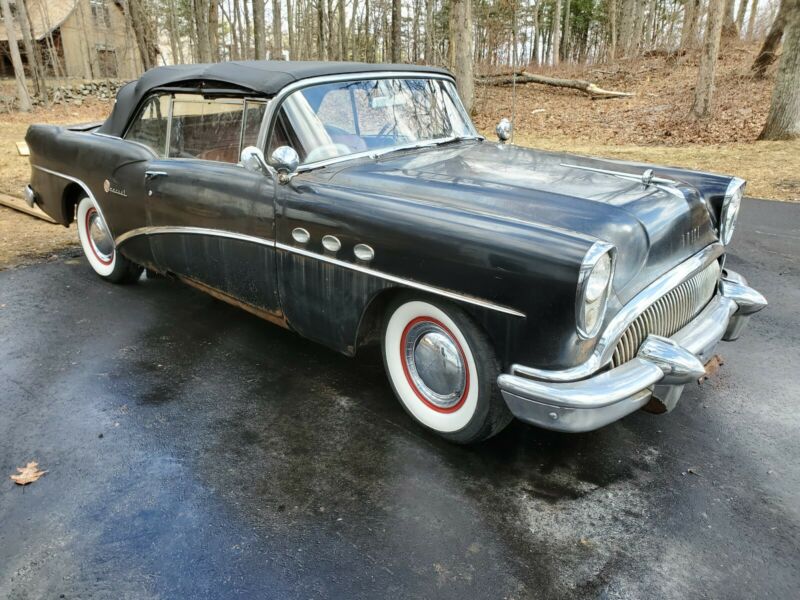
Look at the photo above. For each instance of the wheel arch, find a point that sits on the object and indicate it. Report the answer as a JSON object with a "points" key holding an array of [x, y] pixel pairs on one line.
{"points": [[72, 194]]}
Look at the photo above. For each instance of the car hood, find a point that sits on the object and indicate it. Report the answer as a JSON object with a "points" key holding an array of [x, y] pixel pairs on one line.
{"points": [[654, 227]]}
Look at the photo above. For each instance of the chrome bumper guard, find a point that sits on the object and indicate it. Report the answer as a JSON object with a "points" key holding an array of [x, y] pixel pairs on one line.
{"points": [[661, 368], [30, 196]]}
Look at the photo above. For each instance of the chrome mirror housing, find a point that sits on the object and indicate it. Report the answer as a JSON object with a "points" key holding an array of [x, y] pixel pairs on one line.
{"points": [[252, 159], [285, 160], [503, 130]]}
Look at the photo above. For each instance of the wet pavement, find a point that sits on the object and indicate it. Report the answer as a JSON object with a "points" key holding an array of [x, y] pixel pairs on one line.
{"points": [[194, 451]]}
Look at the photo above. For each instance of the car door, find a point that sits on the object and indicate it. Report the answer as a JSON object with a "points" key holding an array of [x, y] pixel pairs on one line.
{"points": [[211, 221]]}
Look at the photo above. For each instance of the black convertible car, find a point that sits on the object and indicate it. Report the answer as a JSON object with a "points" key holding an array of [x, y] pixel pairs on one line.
{"points": [[356, 203]]}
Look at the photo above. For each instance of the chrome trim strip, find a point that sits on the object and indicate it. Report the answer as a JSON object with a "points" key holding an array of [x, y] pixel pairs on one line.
{"points": [[83, 185], [399, 280], [153, 230], [604, 349], [158, 230]]}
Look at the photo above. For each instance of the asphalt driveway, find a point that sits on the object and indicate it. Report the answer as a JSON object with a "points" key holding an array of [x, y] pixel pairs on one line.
{"points": [[194, 451]]}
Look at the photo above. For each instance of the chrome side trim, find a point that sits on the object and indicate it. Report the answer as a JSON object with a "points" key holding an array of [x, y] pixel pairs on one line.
{"points": [[604, 349], [192, 231], [85, 189], [158, 230], [399, 280]]}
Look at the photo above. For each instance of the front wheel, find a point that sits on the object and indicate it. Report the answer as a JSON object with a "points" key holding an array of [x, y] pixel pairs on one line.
{"points": [[443, 370], [98, 246]]}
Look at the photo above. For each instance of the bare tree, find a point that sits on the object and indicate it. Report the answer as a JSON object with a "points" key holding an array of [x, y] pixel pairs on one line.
{"points": [[32, 52], [396, 41], [704, 91], [460, 49], [16, 59], [783, 120], [691, 18], [729, 29], [277, 31], [751, 21], [259, 37], [556, 44], [769, 50]]}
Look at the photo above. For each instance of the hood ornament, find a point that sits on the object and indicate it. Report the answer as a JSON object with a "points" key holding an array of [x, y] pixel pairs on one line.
{"points": [[647, 178]]}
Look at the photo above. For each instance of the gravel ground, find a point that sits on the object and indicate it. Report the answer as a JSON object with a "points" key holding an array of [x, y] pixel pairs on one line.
{"points": [[194, 451]]}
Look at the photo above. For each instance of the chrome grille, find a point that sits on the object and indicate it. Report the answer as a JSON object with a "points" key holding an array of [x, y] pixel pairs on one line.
{"points": [[668, 314]]}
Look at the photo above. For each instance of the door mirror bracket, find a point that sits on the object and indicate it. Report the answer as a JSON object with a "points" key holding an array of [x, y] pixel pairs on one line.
{"points": [[285, 161]]}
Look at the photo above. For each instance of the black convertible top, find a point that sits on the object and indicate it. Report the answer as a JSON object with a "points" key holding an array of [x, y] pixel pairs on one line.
{"points": [[256, 77]]}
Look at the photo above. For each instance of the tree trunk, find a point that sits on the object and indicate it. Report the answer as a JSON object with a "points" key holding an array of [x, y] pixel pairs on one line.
{"points": [[32, 52], [729, 29], [16, 59], [259, 36], [693, 12], [213, 29], [769, 49], [277, 31], [783, 120], [429, 32], [556, 43], [523, 77], [290, 30], [460, 49], [342, 31], [740, 16], [704, 91], [396, 17], [321, 45], [751, 21], [566, 31], [612, 17], [369, 48]]}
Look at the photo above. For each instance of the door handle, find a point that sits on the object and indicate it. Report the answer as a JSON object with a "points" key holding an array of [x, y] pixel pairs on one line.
{"points": [[148, 175]]}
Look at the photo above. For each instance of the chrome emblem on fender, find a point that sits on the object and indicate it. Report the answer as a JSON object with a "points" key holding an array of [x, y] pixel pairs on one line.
{"points": [[109, 189]]}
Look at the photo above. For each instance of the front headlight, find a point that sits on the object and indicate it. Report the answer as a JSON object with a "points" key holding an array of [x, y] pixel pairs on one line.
{"points": [[730, 209], [594, 284]]}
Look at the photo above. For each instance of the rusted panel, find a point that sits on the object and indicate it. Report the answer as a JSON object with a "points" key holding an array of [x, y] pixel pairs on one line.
{"points": [[276, 317]]}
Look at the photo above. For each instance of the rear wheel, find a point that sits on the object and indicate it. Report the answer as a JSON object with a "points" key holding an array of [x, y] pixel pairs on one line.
{"points": [[98, 246], [443, 370]]}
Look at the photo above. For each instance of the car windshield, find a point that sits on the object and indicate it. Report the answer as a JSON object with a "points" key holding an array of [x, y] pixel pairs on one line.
{"points": [[339, 119]]}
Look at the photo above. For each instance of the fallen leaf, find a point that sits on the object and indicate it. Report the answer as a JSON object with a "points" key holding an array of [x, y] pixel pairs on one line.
{"points": [[28, 474]]}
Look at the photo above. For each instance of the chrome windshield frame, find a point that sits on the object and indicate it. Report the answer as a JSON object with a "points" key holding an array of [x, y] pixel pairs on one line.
{"points": [[275, 103]]}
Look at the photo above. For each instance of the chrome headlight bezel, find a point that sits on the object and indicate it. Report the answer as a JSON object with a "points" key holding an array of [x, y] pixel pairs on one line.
{"points": [[597, 255], [730, 209]]}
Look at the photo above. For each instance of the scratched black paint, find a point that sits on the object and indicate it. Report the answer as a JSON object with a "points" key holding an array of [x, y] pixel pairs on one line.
{"points": [[504, 224]]}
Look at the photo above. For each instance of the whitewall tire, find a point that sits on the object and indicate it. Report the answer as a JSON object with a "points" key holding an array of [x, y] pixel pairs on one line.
{"points": [[98, 245], [443, 369]]}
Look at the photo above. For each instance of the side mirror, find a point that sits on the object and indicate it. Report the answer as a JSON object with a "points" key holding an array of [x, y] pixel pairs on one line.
{"points": [[503, 130], [252, 159], [285, 160]]}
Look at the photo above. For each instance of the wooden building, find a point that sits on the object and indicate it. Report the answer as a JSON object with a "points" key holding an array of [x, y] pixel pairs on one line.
{"points": [[85, 39]]}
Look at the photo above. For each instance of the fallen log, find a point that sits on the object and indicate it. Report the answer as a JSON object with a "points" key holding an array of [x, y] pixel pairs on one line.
{"points": [[587, 87]]}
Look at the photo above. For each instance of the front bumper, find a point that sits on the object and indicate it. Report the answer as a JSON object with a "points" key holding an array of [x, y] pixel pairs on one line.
{"points": [[661, 368]]}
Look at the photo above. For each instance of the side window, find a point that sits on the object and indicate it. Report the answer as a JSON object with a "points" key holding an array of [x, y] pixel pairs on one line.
{"points": [[150, 125], [253, 115], [209, 129]]}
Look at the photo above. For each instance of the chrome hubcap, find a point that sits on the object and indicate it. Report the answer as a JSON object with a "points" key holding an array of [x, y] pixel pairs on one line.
{"points": [[435, 364], [101, 239]]}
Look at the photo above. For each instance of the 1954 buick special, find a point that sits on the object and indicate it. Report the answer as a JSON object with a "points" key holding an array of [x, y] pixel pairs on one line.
{"points": [[356, 203]]}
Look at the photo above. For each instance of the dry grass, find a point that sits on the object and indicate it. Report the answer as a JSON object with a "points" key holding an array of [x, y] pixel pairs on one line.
{"points": [[772, 169]]}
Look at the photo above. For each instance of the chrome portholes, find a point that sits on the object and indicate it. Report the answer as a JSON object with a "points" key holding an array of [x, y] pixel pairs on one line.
{"points": [[364, 252], [300, 235], [331, 243], [434, 364]]}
